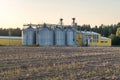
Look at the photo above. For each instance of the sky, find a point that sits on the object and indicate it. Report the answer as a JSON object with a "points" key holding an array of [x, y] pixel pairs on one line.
{"points": [[15, 13]]}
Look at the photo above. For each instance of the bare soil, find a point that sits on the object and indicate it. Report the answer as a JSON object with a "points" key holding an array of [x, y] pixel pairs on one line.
{"points": [[59, 63]]}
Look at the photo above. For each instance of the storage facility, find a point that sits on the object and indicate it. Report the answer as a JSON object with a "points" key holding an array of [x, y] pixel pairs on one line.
{"points": [[44, 36], [71, 36], [61, 35], [10, 41], [55, 35], [28, 36]]}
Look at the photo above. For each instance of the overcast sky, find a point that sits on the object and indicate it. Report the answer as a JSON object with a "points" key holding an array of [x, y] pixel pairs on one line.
{"points": [[14, 13]]}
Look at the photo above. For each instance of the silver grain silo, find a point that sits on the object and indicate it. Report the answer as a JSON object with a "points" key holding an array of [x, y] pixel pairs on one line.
{"points": [[45, 36], [71, 37], [59, 36], [28, 36]]}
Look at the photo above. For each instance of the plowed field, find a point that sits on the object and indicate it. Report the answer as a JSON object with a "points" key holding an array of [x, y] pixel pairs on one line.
{"points": [[59, 63]]}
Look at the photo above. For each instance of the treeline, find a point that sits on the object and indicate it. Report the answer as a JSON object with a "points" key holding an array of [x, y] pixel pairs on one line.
{"points": [[105, 30], [10, 32]]}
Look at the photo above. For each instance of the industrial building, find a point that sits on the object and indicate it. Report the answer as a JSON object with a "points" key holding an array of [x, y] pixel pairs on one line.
{"points": [[59, 35], [49, 35], [10, 41], [89, 38], [46, 36], [55, 35]]}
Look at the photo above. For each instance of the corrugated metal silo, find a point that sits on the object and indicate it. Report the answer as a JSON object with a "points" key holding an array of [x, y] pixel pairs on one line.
{"points": [[45, 36], [71, 37], [59, 36], [28, 36]]}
